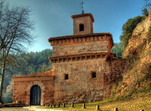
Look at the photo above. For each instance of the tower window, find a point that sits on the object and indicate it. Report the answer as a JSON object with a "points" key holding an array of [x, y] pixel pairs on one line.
{"points": [[81, 27], [66, 77], [93, 75]]}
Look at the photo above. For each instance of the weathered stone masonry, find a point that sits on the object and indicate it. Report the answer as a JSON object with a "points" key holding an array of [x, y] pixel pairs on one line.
{"points": [[81, 86], [83, 68], [23, 85], [83, 44]]}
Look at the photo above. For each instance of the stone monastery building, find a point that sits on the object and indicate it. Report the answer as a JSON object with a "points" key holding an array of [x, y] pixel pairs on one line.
{"points": [[83, 68]]}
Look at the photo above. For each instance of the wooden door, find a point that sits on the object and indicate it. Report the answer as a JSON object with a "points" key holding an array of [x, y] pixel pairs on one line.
{"points": [[35, 95]]}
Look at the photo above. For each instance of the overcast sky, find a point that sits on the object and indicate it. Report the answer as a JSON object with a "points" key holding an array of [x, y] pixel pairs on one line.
{"points": [[53, 17]]}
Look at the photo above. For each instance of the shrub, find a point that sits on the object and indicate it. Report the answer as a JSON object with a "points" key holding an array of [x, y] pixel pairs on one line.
{"points": [[117, 49], [128, 28]]}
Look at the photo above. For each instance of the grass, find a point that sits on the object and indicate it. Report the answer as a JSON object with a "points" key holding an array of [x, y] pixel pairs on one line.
{"points": [[137, 103]]}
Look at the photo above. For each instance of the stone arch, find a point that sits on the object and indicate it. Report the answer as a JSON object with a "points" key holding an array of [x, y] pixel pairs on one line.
{"points": [[33, 83], [35, 95]]}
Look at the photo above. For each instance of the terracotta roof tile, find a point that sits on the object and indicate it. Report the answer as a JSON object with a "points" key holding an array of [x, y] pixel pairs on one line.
{"points": [[80, 36], [82, 15], [39, 74]]}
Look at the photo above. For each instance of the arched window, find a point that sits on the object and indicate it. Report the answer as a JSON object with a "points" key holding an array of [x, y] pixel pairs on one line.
{"points": [[81, 27]]}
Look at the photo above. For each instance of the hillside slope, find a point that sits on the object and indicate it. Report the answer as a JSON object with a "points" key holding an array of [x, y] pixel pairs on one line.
{"points": [[138, 77]]}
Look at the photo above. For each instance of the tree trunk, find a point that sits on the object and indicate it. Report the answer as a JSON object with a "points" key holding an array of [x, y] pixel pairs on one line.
{"points": [[2, 76]]}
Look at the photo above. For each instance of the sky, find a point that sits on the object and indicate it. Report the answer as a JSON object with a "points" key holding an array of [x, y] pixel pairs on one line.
{"points": [[52, 18]]}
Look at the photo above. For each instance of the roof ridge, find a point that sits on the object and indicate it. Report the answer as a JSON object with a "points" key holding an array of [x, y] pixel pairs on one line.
{"points": [[38, 74]]}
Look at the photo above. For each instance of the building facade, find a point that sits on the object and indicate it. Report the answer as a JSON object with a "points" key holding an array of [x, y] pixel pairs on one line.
{"points": [[82, 70]]}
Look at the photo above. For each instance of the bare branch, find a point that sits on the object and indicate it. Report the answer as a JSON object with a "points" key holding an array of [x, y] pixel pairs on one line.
{"points": [[15, 26]]}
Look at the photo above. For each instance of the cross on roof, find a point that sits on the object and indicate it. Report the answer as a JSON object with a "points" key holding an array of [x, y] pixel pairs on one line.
{"points": [[82, 7]]}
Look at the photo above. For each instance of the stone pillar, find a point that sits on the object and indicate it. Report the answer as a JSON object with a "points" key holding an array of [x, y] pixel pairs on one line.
{"points": [[72, 105], [97, 107], [115, 109], [84, 106], [58, 105], [64, 105]]}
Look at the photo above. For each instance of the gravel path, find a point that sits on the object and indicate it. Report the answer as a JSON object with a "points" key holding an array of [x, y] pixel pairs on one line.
{"points": [[14, 109], [30, 108]]}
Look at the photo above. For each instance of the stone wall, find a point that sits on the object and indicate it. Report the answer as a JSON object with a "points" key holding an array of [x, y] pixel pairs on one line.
{"points": [[117, 67], [88, 25], [21, 91], [80, 86], [79, 48]]}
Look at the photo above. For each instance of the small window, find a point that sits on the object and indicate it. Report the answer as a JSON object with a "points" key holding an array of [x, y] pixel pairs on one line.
{"points": [[66, 77], [81, 27], [93, 74]]}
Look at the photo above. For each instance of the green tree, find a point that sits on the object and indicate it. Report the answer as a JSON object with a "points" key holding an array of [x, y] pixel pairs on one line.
{"points": [[26, 63], [117, 49], [128, 28], [145, 12], [148, 3]]}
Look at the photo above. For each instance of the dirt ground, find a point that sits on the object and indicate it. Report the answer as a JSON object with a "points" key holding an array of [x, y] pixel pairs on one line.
{"points": [[30, 108], [14, 109]]}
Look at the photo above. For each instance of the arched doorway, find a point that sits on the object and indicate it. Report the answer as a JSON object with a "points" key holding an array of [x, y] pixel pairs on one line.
{"points": [[35, 95]]}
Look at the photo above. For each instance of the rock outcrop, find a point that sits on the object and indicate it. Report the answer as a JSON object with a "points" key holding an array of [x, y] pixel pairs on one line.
{"points": [[139, 51], [139, 38]]}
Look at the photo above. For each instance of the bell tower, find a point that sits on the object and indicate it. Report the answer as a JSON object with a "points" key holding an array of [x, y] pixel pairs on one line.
{"points": [[83, 23]]}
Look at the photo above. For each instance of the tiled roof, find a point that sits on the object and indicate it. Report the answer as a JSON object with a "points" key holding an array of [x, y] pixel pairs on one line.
{"points": [[82, 15], [79, 36], [39, 74]]}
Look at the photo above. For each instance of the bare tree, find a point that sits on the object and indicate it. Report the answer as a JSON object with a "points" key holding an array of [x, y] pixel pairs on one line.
{"points": [[15, 26], [148, 3]]}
